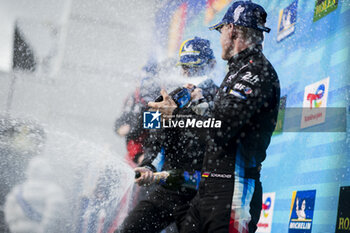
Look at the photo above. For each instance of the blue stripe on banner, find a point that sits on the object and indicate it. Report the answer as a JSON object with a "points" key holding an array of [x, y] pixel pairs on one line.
{"points": [[326, 149], [340, 56], [332, 138], [308, 178], [279, 217], [294, 58], [323, 163], [326, 228], [315, 57]]}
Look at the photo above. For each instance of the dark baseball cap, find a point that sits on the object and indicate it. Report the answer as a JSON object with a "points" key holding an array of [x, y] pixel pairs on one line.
{"points": [[246, 14]]}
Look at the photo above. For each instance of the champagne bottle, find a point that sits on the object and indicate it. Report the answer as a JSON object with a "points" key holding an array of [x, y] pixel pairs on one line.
{"points": [[175, 179]]}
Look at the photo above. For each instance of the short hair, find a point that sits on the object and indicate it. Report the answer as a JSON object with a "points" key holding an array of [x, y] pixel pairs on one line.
{"points": [[251, 35]]}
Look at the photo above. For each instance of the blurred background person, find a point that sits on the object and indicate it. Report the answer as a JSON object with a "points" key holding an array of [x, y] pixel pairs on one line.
{"points": [[39, 204], [127, 125], [20, 141]]}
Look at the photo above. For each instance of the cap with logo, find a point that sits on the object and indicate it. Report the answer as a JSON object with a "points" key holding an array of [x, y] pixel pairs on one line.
{"points": [[195, 52], [246, 14]]}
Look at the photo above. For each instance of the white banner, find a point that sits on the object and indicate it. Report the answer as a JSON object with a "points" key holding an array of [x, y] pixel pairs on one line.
{"points": [[265, 221]]}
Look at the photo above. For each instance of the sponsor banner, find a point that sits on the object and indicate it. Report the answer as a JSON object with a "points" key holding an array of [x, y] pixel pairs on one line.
{"points": [[315, 103], [280, 116], [287, 21], [343, 217], [265, 221], [302, 211], [323, 8]]}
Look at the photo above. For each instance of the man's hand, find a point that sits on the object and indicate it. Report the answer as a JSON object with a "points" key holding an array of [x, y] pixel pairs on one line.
{"points": [[189, 86], [146, 177], [166, 107], [196, 93]]}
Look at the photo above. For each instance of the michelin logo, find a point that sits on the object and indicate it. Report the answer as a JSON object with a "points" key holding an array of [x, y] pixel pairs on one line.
{"points": [[300, 225], [302, 211], [151, 120]]}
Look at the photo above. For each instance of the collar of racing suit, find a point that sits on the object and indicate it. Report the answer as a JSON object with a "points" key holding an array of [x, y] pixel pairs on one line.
{"points": [[239, 59]]}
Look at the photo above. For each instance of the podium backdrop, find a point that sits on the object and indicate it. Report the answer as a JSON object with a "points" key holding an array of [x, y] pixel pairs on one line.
{"points": [[307, 169]]}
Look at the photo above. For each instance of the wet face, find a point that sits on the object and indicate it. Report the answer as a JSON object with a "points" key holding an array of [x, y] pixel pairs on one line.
{"points": [[189, 71], [226, 40], [185, 70]]}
